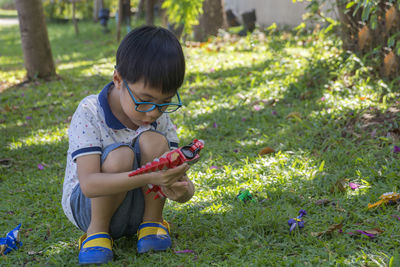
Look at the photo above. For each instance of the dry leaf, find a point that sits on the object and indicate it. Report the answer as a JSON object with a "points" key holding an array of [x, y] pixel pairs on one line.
{"points": [[7, 108], [322, 202], [375, 231], [364, 37], [340, 185], [390, 16], [390, 64], [266, 150], [294, 115], [306, 95], [330, 230]]}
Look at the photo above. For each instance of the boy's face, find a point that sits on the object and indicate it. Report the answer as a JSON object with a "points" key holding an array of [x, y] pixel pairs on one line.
{"points": [[141, 93]]}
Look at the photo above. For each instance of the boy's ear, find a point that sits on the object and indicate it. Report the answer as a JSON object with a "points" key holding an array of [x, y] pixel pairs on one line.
{"points": [[117, 79]]}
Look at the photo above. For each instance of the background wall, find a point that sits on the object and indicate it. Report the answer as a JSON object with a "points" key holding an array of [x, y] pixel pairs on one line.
{"points": [[282, 12]]}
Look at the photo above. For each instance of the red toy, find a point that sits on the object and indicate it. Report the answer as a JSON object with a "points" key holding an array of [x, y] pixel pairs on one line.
{"points": [[187, 154]]}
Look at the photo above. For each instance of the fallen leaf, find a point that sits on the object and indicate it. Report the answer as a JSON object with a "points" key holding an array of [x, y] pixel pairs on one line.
{"points": [[330, 230], [375, 231], [294, 115], [339, 186], [7, 108], [266, 150], [322, 202]]}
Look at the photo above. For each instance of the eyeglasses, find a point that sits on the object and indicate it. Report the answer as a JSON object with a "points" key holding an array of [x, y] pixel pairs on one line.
{"points": [[149, 106]]}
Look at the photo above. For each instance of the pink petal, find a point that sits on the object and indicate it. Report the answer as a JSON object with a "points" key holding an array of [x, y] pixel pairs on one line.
{"points": [[40, 166], [257, 107], [354, 186], [215, 125], [213, 167]]}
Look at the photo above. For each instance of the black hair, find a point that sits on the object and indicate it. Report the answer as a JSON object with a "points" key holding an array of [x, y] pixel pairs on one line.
{"points": [[153, 54]]}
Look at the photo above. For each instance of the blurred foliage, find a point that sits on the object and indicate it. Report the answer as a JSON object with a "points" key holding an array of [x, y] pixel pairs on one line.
{"points": [[370, 28], [184, 12], [62, 9], [7, 4]]}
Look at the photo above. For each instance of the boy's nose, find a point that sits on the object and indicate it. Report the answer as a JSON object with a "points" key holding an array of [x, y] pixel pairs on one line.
{"points": [[154, 114]]}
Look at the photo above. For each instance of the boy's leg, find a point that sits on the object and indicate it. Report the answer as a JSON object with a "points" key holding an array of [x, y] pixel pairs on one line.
{"points": [[153, 233], [103, 208], [96, 244], [152, 145]]}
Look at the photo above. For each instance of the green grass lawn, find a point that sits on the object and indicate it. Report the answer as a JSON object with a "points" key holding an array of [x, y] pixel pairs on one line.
{"points": [[328, 119]]}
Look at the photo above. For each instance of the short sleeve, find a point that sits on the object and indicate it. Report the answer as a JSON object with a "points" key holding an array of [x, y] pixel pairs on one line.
{"points": [[166, 127], [84, 132]]}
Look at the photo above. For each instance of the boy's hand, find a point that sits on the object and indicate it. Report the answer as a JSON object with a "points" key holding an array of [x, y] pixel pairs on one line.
{"points": [[181, 191], [169, 177]]}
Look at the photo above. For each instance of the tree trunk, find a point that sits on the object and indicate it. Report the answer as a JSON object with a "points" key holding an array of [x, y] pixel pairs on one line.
{"points": [[212, 19], [34, 38], [126, 12], [74, 20], [119, 20], [140, 10], [149, 10], [97, 5]]}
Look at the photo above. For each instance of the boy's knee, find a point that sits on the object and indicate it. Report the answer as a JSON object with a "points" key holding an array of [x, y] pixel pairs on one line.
{"points": [[153, 144], [118, 160]]}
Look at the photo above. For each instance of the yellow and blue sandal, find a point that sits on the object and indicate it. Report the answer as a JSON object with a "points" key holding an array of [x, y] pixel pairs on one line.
{"points": [[153, 236], [95, 248]]}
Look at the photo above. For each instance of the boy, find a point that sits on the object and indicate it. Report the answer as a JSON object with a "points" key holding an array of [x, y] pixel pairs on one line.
{"points": [[121, 129]]}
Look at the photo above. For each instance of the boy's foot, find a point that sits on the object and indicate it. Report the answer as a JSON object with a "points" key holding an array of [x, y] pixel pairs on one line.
{"points": [[153, 236], [95, 249]]}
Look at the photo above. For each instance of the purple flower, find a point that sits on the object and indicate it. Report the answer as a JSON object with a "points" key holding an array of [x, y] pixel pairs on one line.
{"points": [[244, 119], [28, 118], [40, 166], [213, 167], [373, 133], [235, 150], [257, 107], [396, 149], [22, 94], [397, 217], [354, 186], [274, 113], [365, 233], [215, 125]]}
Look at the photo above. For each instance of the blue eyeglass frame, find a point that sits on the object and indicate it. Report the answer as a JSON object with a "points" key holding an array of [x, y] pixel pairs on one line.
{"points": [[159, 106]]}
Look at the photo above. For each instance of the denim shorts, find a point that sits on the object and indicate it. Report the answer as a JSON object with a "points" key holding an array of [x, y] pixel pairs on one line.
{"points": [[128, 216]]}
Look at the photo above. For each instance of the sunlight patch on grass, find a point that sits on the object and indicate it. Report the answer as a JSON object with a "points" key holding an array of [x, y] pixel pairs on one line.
{"points": [[57, 248], [40, 137]]}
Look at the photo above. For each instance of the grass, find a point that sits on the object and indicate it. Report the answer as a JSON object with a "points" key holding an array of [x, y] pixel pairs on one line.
{"points": [[318, 107]]}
